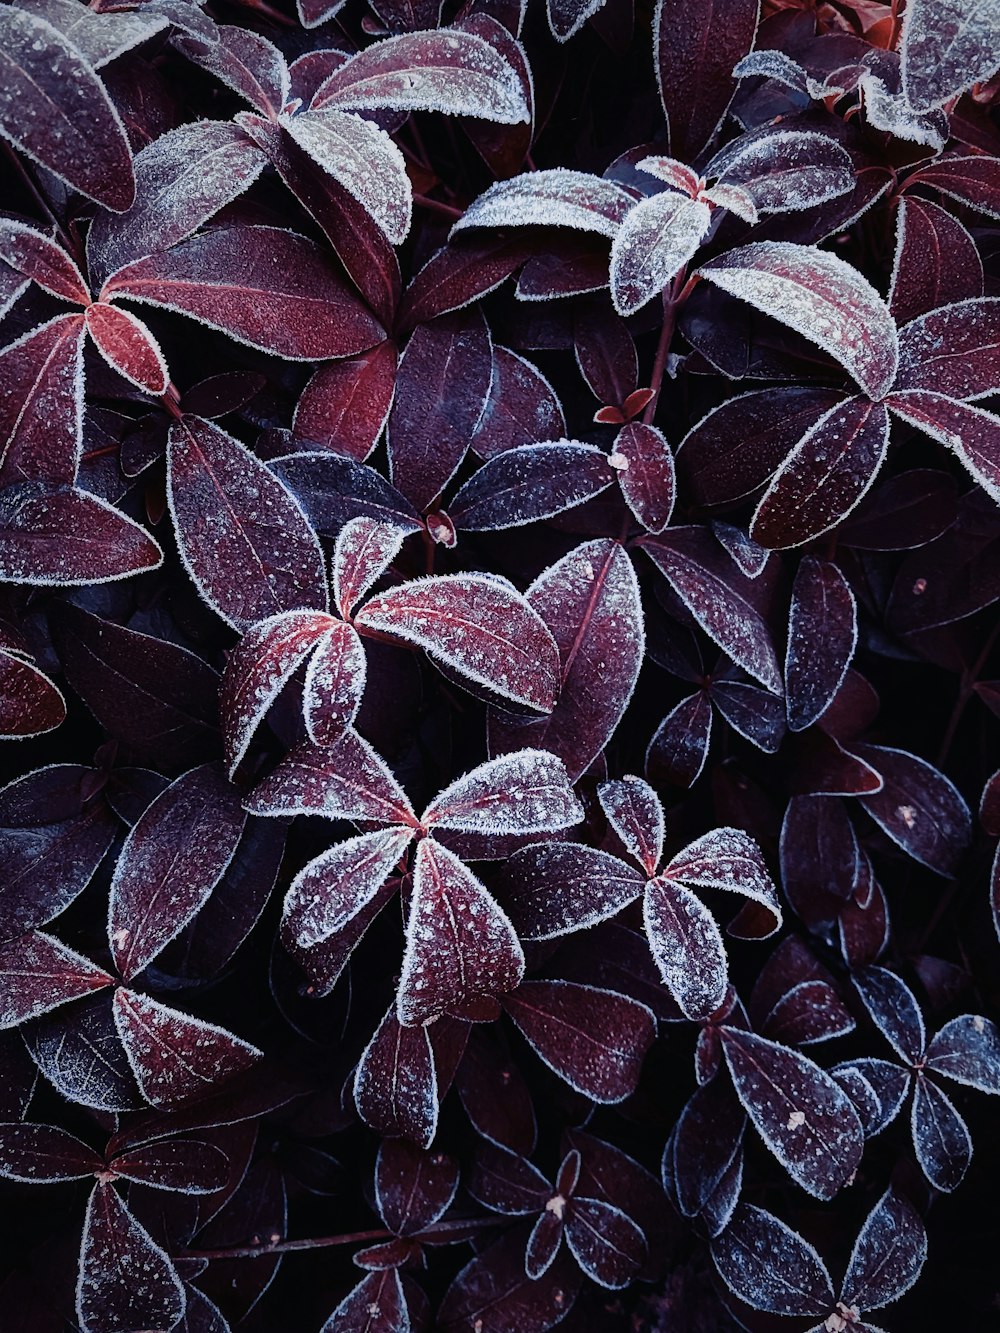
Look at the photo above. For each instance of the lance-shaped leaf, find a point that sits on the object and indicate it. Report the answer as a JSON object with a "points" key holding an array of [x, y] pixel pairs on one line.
{"points": [[524, 792], [686, 947], [656, 239], [346, 403], [479, 626], [37, 257], [460, 946], [887, 1256], [259, 668], [594, 1039], [695, 47], [953, 351], [936, 263], [972, 433], [348, 780], [41, 403], [678, 749], [128, 347], [246, 62], [820, 296], [172, 859], [947, 47], [335, 684], [125, 1279], [557, 887], [590, 601], [58, 536], [635, 812], [395, 1088], [336, 886], [460, 272], [57, 111], [412, 1187], [968, 1050], [264, 286], [187, 1165], [971, 179], [39, 973], [30, 703], [441, 389], [787, 170], [447, 70], [529, 483], [919, 808], [824, 476], [678, 175], [645, 468], [941, 1137], [39, 1154], [728, 858], [364, 550], [804, 1117], [99, 38], [822, 634], [173, 1055], [770, 1267], [554, 198], [719, 609], [894, 1010], [242, 535]]}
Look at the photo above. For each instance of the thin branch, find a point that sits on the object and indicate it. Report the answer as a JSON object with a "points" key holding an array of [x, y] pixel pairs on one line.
{"points": [[438, 1232]]}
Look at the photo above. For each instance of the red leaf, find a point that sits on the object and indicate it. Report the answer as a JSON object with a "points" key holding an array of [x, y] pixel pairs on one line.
{"points": [[38, 1154], [460, 946], [656, 240], [128, 347], [41, 260], [173, 1055], [971, 179], [364, 550], [335, 684], [677, 752], [296, 305], [477, 625], [687, 948], [441, 390], [412, 1187], [41, 403], [635, 813], [242, 535], [953, 351], [459, 273], [645, 468], [557, 887], [528, 483], [936, 262], [29, 702], [822, 634], [339, 884], [946, 48], [524, 792], [825, 475], [972, 433], [346, 403], [594, 1039], [125, 1280], [590, 601], [887, 1256], [555, 198], [770, 1267], [171, 861], [919, 808], [56, 110], [395, 1089], [186, 1165], [313, 13], [39, 973], [346, 781]]}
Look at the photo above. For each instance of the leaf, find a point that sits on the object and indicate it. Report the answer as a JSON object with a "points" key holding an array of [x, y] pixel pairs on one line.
{"points": [[246, 62], [752, 712], [557, 887], [39, 973], [41, 260], [441, 389], [946, 48], [561, 1021], [770, 1267], [265, 287], [524, 792], [446, 70], [821, 297], [635, 812], [460, 946], [894, 1010], [41, 403], [919, 808], [810, 1012], [242, 535], [645, 467], [970, 432], [125, 1279], [412, 1187], [888, 1255], [953, 351], [728, 858], [477, 625], [522, 407], [940, 1136], [99, 38], [55, 109], [606, 355], [787, 170], [395, 1089], [128, 347], [529, 483], [655, 241], [507, 1183], [494, 1288], [376, 1305], [967, 1050], [39, 1154], [458, 273], [971, 179], [171, 861], [333, 490], [348, 780], [495, 1095], [79, 1052], [30, 703], [705, 1141], [677, 752], [590, 601], [803, 1116], [173, 1055], [678, 175], [605, 1242], [363, 552], [822, 636], [185, 1165], [334, 887], [334, 684], [936, 262], [553, 198], [346, 403], [687, 948]]}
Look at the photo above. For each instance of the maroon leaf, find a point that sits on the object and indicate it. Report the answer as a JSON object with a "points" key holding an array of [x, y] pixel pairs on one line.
{"points": [[29, 702], [903, 512], [339, 884], [495, 1095], [785, 171], [460, 945], [590, 601], [803, 1116], [822, 634], [755, 714], [557, 887], [128, 347], [940, 1136], [946, 48], [635, 813], [971, 179], [824, 476], [820, 296], [677, 752], [645, 468], [531, 482], [313, 13], [41, 403], [555, 198], [972, 433], [887, 1256], [705, 1140], [173, 1055], [477, 625], [412, 1187], [376, 1305], [524, 792], [562, 1020], [605, 1242], [395, 1088], [936, 262], [187, 1165], [655, 241], [345, 781], [968, 1050], [770, 1266], [346, 403], [606, 355], [441, 390], [79, 1052], [41, 260], [364, 550], [296, 307], [687, 948], [171, 861], [246, 62], [494, 1286], [810, 1012], [38, 1154], [39, 973], [953, 351], [507, 1183], [56, 110], [125, 1280], [521, 408], [728, 858], [334, 685], [919, 808], [242, 535]]}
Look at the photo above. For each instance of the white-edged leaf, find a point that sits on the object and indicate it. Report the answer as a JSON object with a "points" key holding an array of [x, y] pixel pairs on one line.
{"points": [[527, 791], [337, 885], [770, 1267], [553, 198], [822, 635], [687, 947], [656, 239]]}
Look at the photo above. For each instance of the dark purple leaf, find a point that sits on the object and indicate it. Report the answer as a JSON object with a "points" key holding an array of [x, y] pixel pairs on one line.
{"points": [[940, 1136], [346, 403], [530, 482], [29, 702], [38, 1154], [413, 1187], [79, 1052], [903, 512], [376, 1305], [768, 1265], [246, 62], [635, 813], [494, 1289], [894, 1010], [919, 808], [677, 752], [946, 48], [521, 408], [606, 355], [524, 792], [339, 884], [968, 1050], [971, 179], [187, 1165], [953, 351], [645, 468], [705, 1140], [687, 947], [543, 1243], [936, 261], [333, 490], [604, 1241], [460, 273], [757, 715], [889, 1084], [971, 432], [822, 634], [786, 171], [887, 1256], [557, 887], [507, 1183], [811, 1011], [728, 858], [41, 403], [39, 973], [396, 1089], [495, 1095]]}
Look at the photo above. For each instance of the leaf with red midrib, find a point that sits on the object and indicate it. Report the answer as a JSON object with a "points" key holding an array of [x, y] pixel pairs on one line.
{"points": [[346, 403], [339, 884], [43, 367], [39, 973], [32, 253], [128, 347], [395, 1088], [364, 550]]}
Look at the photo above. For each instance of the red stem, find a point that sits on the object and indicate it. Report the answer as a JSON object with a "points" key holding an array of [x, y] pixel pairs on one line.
{"points": [[442, 1229]]}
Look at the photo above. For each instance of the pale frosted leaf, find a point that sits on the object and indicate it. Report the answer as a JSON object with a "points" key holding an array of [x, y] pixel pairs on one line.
{"points": [[822, 635], [894, 1010], [530, 483], [769, 64], [41, 403], [128, 347], [79, 1052], [364, 550], [948, 45], [968, 1050], [100, 38], [887, 1256], [941, 1137], [524, 792], [789, 170], [553, 888], [553, 198], [770, 1267], [954, 350], [635, 812], [395, 1088], [336, 886], [125, 1280], [687, 948], [733, 197], [39, 973], [655, 240], [334, 684], [678, 175], [920, 809], [889, 111]]}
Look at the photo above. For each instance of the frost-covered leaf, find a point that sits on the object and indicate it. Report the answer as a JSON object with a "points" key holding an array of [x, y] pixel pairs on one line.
{"points": [[395, 1088], [604, 1241], [338, 884], [348, 780], [756, 715], [41, 403], [412, 1187], [678, 175], [364, 550], [947, 46], [30, 703], [529, 483], [728, 858], [788, 170], [245, 61], [635, 812], [522, 407], [971, 179], [79, 1052], [919, 808], [656, 239], [38, 1154], [376, 1305], [99, 38], [972, 433], [820, 296], [477, 625], [770, 1267], [37, 257], [894, 1010], [557, 887], [968, 1050], [128, 347], [811, 1011], [822, 634], [887, 1256], [940, 1136], [567, 17], [187, 1165], [524, 792], [678, 749], [39, 973], [645, 467], [687, 947], [953, 351], [346, 403], [553, 198], [333, 490], [936, 263], [460, 946], [243, 536]]}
